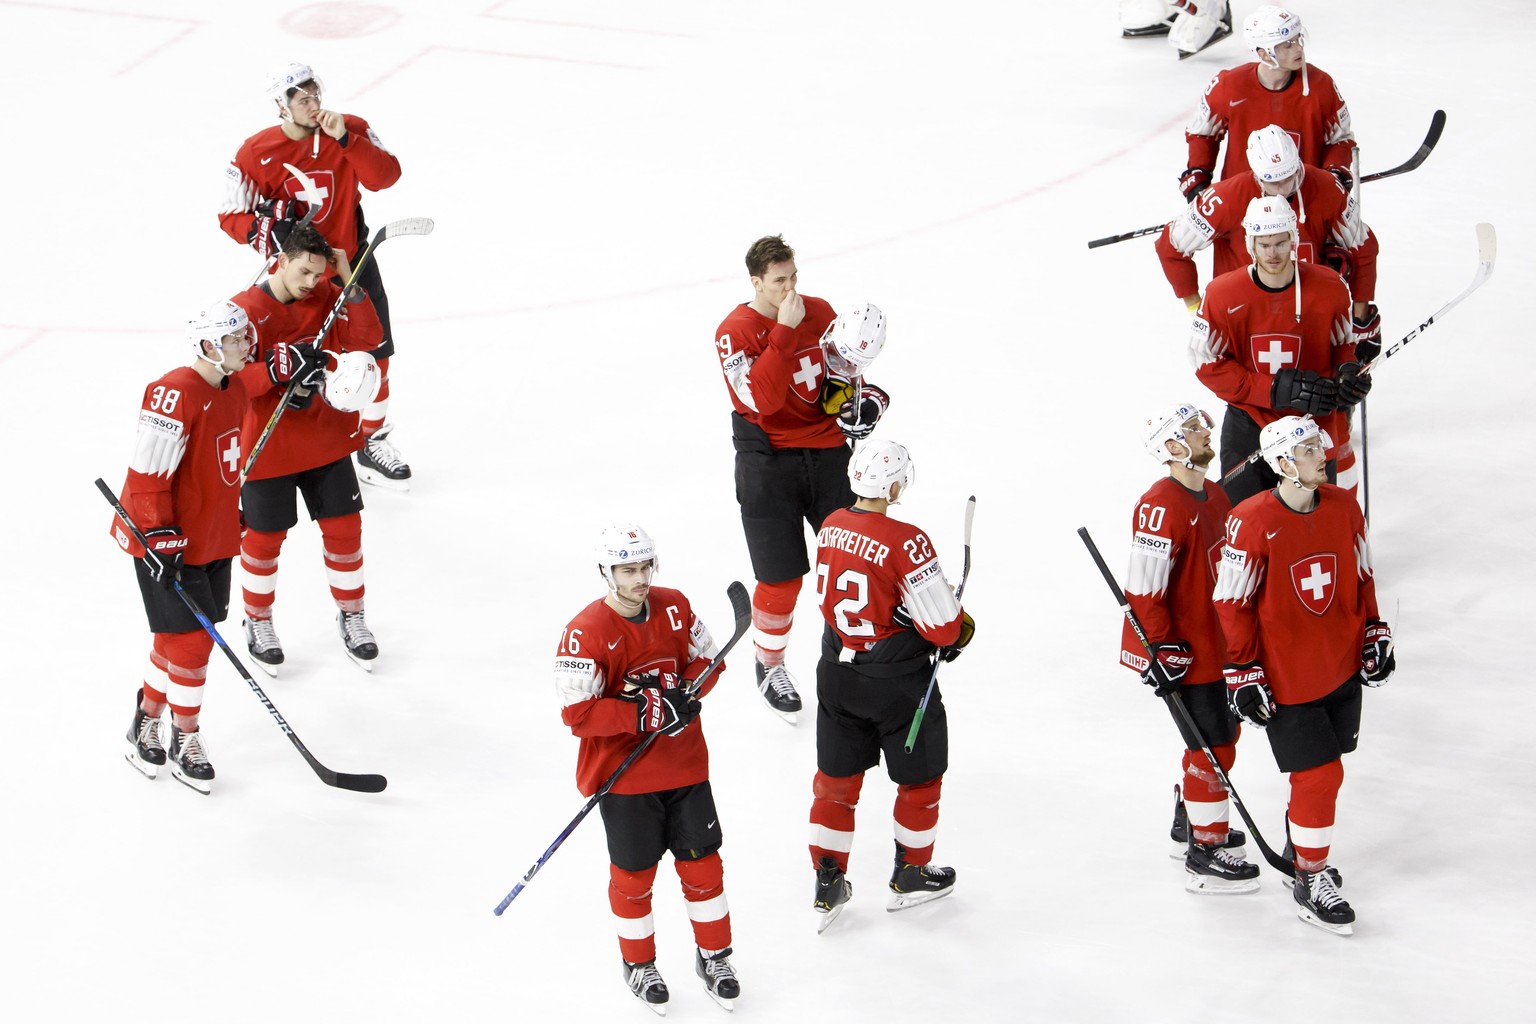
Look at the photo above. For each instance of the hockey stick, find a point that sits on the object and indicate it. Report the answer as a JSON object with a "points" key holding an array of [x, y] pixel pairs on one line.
{"points": [[341, 780], [1436, 126], [741, 607], [1176, 703], [409, 226], [1487, 250], [1365, 425], [938, 659]]}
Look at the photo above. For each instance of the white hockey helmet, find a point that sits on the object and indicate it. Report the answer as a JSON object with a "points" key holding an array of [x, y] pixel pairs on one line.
{"points": [[1278, 440], [1268, 27], [852, 341], [215, 321], [876, 465], [620, 545], [1272, 154], [1167, 424], [354, 384], [1270, 215], [284, 78]]}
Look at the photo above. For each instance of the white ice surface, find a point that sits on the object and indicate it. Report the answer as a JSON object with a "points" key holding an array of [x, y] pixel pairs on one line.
{"points": [[596, 171]]}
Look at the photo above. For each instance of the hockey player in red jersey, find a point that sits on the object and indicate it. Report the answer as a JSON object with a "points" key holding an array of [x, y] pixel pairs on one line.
{"points": [[309, 452], [887, 607], [1281, 88], [794, 371], [341, 155], [183, 493], [1296, 596], [1176, 536], [1274, 338], [1328, 226], [624, 670]]}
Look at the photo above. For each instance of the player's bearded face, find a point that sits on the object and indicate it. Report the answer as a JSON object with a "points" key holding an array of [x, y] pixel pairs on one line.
{"points": [[301, 274], [776, 282], [1311, 460], [1198, 436], [304, 104], [632, 582], [1273, 252]]}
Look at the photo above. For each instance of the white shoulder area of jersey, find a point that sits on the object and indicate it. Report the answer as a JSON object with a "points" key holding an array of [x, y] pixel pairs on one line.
{"points": [[577, 679]]}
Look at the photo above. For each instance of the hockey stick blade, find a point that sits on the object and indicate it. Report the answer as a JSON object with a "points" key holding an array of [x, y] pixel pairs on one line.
{"points": [[965, 574], [1436, 126], [1487, 251], [741, 608], [340, 780], [408, 226], [1112, 239], [1176, 704]]}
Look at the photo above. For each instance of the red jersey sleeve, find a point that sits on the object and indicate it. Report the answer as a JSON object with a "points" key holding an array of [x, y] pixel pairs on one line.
{"points": [[1154, 549], [376, 167], [582, 681], [1208, 126], [241, 194]]}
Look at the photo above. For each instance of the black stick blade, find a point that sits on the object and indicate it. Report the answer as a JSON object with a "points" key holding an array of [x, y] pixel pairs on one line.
{"points": [[359, 783], [741, 603]]}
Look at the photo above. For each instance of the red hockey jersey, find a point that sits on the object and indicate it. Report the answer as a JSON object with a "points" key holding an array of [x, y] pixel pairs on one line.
{"points": [[1295, 589], [256, 174], [185, 470], [867, 566], [1324, 212], [598, 649], [1176, 541], [1236, 103], [1245, 333], [316, 435], [774, 374]]}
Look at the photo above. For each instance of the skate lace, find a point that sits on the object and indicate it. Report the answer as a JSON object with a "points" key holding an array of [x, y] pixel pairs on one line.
{"points": [[777, 679], [356, 629], [263, 635], [1228, 858], [644, 976], [149, 734], [1324, 892], [192, 751], [383, 453], [718, 967]]}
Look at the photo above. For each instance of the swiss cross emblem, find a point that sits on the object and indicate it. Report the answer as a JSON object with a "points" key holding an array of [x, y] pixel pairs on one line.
{"points": [[805, 380], [1275, 352], [227, 445], [1315, 579], [324, 187]]}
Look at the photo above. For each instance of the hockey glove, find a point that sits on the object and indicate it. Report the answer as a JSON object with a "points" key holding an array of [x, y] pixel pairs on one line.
{"points": [[1378, 659], [295, 361], [1170, 664], [1354, 383], [1194, 181], [274, 219], [1304, 390], [163, 550], [1346, 178], [1367, 334], [1248, 693], [1340, 259], [967, 631], [668, 712], [858, 422]]}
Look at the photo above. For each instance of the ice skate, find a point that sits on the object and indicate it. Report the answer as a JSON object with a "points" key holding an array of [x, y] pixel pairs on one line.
{"points": [[645, 982], [355, 633], [833, 890], [145, 751], [1289, 855], [913, 885], [189, 761], [778, 689], [719, 976], [261, 640], [380, 464], [1179, 833], [1218, 870], [1142, 19], [1199, 26], [1318, 902]]}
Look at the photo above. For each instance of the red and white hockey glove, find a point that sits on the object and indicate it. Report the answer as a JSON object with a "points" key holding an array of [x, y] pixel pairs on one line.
{"points": [[1367, 331], [1193, 181], [1345, 176], [1377, 657], [1248, 693], [296, 361], [858, 421], [274, 219], [1169, 665], [1341, 260], [662, 705], [163, 551]]}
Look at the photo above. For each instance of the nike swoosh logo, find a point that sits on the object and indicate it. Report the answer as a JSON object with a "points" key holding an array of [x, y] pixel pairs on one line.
{"points": [[1271, 536], [354, 496], [615, 643], [1234, 309], [263, 319], [712, 824], [1236, 102], [1195, 521], [265, 160], [206, 406]]}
